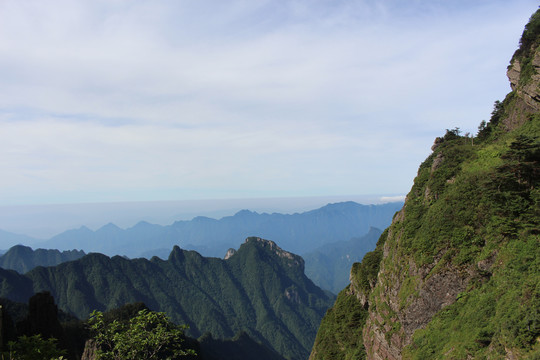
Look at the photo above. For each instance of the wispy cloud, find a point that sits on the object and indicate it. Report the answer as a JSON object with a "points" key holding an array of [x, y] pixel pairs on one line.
{"points": [[151, 100]]}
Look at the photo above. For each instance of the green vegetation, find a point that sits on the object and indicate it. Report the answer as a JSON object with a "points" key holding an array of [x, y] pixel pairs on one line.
{"points": [[261, 290], [473, 212], [364, 274], [340, 333], [238, 348], [473, 199], [528, 45], [23, 259], [486, 320], [482, 206], [330, 265], [148, 335], [33, 348]]}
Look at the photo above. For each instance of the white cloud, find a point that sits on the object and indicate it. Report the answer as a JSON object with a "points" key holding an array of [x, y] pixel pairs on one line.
{"points": [[143, 99], [389, 199]]}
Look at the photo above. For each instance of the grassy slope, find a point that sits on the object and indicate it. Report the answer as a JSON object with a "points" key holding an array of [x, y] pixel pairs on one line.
{"points": [[479, 208]]}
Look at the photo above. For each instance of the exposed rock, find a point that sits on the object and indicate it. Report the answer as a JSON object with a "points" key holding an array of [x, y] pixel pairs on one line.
{"points": [[295, 260], [438, 141], [355, 290], [434, 289], [292, 295], [90, 350], [437, 162], [229, 253], [526, 89]]}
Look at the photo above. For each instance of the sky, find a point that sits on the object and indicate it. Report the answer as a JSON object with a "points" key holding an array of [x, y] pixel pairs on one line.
{"points": [[133, 101]]}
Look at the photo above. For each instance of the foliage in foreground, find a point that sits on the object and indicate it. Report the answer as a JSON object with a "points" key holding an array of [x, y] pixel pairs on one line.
{"points": [[33, 348], [148, 335]]}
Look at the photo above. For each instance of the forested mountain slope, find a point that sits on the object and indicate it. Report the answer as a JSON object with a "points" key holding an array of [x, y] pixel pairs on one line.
{"points": [[329, 265], [456, 275], [260, 289], [23, 259]]}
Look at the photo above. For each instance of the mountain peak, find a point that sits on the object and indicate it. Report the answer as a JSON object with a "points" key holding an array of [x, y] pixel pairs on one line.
{"points": [[177, 254], [273, 248], [245, 212], [109, 227]]}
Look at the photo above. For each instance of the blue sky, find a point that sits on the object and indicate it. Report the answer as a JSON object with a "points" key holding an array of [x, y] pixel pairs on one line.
{"points": [[111, 101]]}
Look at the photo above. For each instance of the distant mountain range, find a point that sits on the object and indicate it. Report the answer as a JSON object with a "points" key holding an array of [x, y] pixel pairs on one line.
{"points": [[299, 233], [329, 266], [259, 289], [9, 239]]}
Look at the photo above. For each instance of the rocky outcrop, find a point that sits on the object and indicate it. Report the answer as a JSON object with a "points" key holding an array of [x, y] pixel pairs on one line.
{"points": [[292, 259], [229, 253], [524, 76], [526, 87], [410, 298], [90, 350]]}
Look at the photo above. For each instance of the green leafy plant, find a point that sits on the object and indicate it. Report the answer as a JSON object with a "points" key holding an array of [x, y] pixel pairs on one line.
{"points": [[148, 335], [33, 348]]}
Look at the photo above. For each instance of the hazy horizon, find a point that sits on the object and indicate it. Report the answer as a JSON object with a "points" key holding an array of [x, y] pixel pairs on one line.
{"points": [[43, 221]]}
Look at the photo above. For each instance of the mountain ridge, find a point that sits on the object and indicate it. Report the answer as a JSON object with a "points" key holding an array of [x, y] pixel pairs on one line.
{"points": [[329, 265], [298, 233], [23, 258], [261, 289]]}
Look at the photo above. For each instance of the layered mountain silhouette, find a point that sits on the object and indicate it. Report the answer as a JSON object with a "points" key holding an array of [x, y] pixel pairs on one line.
{"points": [[23, 259], [329, 266], [298, 233], [260, 289], [9, 239]]}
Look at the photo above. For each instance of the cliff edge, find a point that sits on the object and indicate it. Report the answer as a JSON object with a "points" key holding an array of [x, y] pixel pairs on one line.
{"points": [[457, 273]]}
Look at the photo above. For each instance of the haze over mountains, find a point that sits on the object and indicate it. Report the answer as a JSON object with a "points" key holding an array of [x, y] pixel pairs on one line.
{"points": [[331, 238], [329, 266], [298, 233]]}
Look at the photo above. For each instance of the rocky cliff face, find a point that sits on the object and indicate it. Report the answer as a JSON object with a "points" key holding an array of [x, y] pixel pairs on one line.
{"points": [[524, 76], [456, 274]]}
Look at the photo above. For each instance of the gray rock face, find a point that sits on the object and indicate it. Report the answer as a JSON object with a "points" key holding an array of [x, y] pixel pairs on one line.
{"points": [[90, 350], [526, 88]]}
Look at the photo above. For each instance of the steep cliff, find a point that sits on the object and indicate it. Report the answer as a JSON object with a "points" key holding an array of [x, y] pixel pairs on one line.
{"points": [[457, 274]]}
